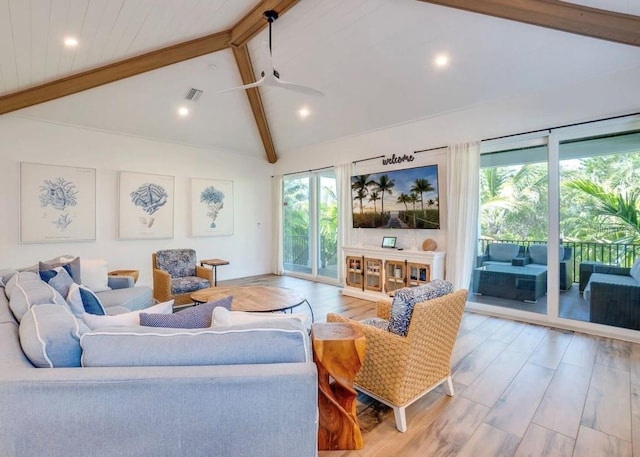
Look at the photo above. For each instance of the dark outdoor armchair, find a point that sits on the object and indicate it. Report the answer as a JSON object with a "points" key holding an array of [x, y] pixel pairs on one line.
{"points": [[613, 294]]}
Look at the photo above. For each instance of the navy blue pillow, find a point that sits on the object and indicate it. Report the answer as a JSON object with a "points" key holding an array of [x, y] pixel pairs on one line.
{"points": [[90, 302]]}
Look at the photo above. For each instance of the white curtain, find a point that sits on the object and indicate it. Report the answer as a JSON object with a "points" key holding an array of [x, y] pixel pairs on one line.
{"points": [[463, 187], [343, 183], [276, 254]]}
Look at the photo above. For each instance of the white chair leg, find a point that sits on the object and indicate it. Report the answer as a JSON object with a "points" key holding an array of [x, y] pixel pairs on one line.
{"points": [[450, 386], [401, 419]]}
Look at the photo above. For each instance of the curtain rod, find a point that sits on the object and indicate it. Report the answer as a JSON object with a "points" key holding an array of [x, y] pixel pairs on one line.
{"points": [[308, 171], [548, 129]]}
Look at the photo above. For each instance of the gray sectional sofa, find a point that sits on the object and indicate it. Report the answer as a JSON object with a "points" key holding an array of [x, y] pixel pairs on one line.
{"points": [[144, 391]]}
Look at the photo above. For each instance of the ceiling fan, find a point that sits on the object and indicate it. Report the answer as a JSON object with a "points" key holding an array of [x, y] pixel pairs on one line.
{"points": [[272, 77]]}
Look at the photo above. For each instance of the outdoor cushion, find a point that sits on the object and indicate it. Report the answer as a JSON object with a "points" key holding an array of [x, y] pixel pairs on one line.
{"points": [[538, 253], [503, 252], [635, 270], [406, 298], [621, 280]]}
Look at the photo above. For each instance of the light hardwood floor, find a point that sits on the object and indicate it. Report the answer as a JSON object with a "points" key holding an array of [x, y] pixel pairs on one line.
{"points": [[521, 390]]}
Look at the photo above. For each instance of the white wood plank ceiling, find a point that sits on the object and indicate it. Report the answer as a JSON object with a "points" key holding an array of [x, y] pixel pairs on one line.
{"points": [[372, 58]]}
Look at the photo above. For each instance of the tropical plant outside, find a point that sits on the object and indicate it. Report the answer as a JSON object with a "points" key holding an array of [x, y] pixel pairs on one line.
{"points": [[599, 203]]}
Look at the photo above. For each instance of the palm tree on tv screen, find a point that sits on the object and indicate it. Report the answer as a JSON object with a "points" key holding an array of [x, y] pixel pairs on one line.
{"points": [[420, 186], [384, 186]]}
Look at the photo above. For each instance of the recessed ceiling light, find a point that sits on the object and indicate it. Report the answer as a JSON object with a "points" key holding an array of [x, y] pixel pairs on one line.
{"points": [[183, 111], [441, 60], [70, 42], [304, 112]]}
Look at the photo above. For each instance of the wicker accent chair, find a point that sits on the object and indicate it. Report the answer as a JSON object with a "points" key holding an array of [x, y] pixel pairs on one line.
{"points": [[399, 370], [176, 275]]}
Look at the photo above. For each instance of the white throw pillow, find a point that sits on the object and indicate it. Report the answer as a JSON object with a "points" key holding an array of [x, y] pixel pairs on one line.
{"points": [[94, 274], [222, 317], [95, 321]]}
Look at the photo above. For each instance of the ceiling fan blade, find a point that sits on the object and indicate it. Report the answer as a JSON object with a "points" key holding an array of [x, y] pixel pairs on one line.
{"points": [[277, 82], [259, 82]]}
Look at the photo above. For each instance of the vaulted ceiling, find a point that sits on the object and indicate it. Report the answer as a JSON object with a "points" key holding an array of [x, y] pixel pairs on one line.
{"points": [[137, 59]]}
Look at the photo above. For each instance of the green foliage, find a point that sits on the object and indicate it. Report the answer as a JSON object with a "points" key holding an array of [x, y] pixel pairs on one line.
{"points": [[599, 200]]}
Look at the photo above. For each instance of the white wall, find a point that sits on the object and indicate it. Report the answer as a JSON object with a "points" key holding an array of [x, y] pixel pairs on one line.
{"points": [[248, 249], [614, 94]]}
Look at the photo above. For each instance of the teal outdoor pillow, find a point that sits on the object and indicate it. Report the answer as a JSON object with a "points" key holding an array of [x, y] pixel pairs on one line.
{"points": [[50, 336]]}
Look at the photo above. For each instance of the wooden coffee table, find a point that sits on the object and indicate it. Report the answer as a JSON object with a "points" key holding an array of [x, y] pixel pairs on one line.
{"points": [[255, 299]]}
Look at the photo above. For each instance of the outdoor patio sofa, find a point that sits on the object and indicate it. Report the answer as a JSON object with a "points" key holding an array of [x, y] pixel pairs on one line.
{"points": [[613, 294]]}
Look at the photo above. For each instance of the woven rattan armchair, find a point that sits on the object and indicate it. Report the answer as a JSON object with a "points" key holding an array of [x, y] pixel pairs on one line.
{"points": [[176, 275], [399, 370]]}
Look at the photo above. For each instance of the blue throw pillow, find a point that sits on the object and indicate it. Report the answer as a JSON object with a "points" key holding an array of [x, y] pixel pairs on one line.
{"points": [[83, 300], [59, 278], [72, 266], [193, 317]]}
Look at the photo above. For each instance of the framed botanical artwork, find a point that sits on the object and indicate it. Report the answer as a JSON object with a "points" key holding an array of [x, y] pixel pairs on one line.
{"points": [[146, 203], [211, 207], [57, 203]]}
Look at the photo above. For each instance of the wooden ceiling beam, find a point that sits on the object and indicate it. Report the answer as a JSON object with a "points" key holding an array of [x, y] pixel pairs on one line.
{"points": [[558, 15], [250, 25], [115, 71], [243, 60]]}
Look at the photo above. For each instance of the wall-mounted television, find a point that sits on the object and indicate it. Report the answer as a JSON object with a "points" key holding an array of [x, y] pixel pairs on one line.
{"points": [[398, 199]]}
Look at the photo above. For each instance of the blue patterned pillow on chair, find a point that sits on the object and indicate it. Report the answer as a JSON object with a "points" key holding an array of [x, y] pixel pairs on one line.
{"points": [[406, 298]]}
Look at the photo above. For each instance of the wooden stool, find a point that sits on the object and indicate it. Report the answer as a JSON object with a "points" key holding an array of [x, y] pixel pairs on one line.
{"points": [[338, 351]]}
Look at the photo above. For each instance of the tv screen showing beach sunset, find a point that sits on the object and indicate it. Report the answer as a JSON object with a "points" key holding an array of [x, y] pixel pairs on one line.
{"points": [[400, 199]]}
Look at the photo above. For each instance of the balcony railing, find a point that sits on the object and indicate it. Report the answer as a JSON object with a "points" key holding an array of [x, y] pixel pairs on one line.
{"points": [[622, 255], [296, 251]]}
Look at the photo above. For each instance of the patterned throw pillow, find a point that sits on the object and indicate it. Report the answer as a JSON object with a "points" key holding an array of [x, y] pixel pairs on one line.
{"points": [[193, 317], [406, 298]]}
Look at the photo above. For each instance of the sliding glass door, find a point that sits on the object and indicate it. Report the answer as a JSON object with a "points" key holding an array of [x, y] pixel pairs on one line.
{"points": [[514, 191], [559, 228], [310, 225], [600, 221]]}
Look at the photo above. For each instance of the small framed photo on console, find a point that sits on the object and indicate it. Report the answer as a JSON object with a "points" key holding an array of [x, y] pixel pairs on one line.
{"points": [[389, 242]]}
